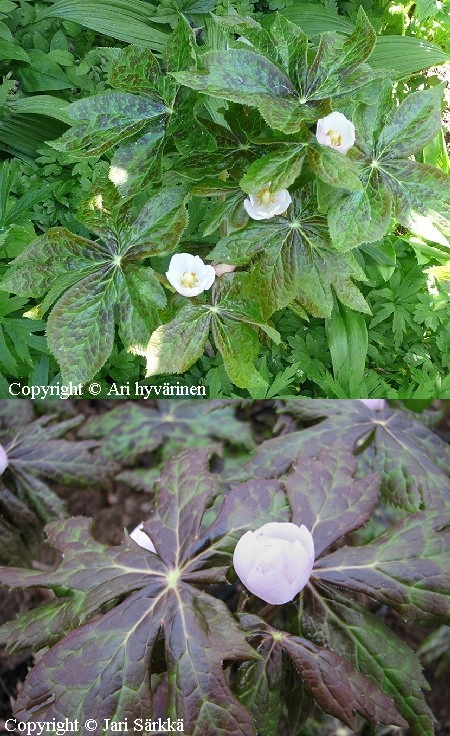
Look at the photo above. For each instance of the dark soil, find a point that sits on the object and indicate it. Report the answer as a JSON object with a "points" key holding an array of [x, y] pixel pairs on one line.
{"points": [[121, 507]]}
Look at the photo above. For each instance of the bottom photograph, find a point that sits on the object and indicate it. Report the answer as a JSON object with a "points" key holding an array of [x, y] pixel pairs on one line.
{"points": [[225, 568]]}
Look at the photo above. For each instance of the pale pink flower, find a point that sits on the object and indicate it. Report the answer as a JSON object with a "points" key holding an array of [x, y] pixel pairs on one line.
{"points": [[275, 561], [374, 404], [142, 539], [3, 460]]}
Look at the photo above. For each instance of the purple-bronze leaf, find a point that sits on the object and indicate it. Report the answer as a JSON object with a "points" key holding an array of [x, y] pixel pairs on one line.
{"points": [[338, 687], [406, 568], [200, 633], [325, 498], [414, 463], [185, 490], [330, 618], [90, 575], [100, 670], [245, 508]]}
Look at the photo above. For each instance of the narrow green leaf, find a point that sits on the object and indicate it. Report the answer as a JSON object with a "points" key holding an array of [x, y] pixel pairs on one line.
{"points": [[112, 18], [347, 339]]}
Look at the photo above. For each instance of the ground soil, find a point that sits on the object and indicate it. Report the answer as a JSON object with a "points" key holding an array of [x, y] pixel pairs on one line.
{"points": [[120, 507]]}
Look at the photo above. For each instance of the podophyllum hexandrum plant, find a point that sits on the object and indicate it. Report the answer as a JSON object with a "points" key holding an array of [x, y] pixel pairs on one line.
{"points": [[121, 614], [288, 153]]}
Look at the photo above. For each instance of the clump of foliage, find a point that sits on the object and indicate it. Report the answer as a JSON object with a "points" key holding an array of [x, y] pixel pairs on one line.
{"points": [[122, 614], [186, 138], [37, 452]]}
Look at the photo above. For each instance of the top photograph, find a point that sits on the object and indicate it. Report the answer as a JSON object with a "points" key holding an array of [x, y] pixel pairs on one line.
{"points": [[224, 199]]}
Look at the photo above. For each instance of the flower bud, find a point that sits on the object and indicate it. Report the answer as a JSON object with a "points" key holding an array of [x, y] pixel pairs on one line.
{"points": [[275, 561], [336, 131], [3, 460], [374, 404], [142, 539], [189, 275], [264, 205], [221, 268]]}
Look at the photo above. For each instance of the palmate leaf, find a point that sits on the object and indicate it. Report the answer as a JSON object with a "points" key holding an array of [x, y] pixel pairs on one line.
{"points": [[278, 82], [413, 462], [233, 319], [336, 685], [102, 281], [339, 504], [102, 668], [406, 567], [417, 194], [130, 429], [333, 620], [294, 260]]}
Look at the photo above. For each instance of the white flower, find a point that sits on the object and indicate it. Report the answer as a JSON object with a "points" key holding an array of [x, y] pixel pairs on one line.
{"points": [[275, 561], [189, 275], [221, 268], [3, 460], [264, 205], [374, 404], [142, 539], [336, 131]]}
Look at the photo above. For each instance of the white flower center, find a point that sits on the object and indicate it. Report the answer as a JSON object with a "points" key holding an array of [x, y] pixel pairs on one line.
{"points": [[335, 137], [189, 279]]}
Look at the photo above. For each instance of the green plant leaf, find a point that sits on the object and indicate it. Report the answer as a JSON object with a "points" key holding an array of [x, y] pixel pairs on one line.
{"points": [[80, 328], [176, 345], [107, 119], [332, 70], [412, 460], [334, 168], [114, 18], [347, 339], [278, 169], [411, 125], [336, 685]]}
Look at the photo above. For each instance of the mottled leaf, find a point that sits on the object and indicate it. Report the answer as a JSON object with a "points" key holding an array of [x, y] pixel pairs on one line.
{"points": [[325, 498], [278, 170], [130, 429], [337, 686], [334, 168], [331, 71], [258, 687], [412, 460], [80, 328], [159, 225], [176, 345], [333, 620], [102, 669], [412, 125], [110, 118], [405, 568]]}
